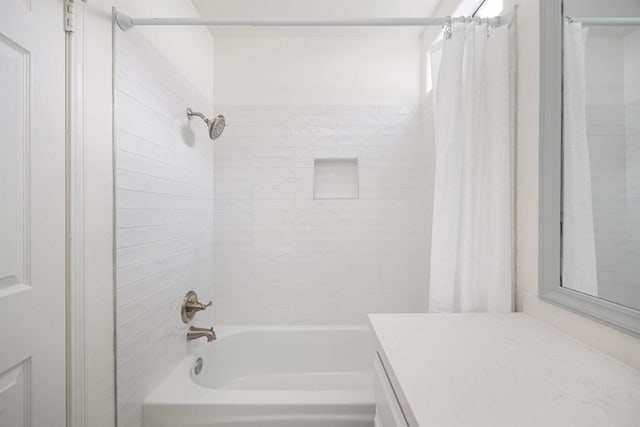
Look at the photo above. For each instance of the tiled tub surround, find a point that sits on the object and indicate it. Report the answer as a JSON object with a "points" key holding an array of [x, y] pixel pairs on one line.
{"points": [[164, 206], [281, 257]]}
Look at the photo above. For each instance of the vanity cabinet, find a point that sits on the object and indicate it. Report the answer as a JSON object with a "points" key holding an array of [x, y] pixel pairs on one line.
{"points": [[388, 410], [495, 370]]}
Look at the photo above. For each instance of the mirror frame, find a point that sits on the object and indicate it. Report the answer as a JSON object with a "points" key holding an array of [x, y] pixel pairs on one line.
{"points": [[550, 191]]}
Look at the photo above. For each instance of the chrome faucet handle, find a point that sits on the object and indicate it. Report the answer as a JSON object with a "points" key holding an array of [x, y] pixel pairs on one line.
{"points": [[191, 305], [198, 306]]}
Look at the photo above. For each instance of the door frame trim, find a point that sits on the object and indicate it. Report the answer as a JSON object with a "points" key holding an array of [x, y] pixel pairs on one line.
{"points": [[75, 222]]}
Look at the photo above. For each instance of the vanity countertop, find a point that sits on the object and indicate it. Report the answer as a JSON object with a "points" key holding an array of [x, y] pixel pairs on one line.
{"points": [[461, 370]]}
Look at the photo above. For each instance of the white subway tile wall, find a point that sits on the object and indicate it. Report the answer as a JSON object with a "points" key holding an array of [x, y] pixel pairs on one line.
{"points": [[605, 131], [164, 217], [613, 114], [632, 122], [282, 257]]}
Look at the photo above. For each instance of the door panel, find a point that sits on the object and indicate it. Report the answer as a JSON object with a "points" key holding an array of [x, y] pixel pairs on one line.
{"points": [[32, 214], [14, 107], [15, 394]]}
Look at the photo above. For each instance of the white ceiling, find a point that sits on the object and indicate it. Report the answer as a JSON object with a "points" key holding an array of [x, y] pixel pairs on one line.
{"points": [[313, 9]]}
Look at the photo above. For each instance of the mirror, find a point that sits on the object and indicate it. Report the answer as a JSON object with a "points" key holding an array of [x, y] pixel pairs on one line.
{"points": [[590, 158], [601, 152]]}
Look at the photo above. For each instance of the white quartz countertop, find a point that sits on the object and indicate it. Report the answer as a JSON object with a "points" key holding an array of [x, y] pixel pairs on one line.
{"points": [[501, 370]]}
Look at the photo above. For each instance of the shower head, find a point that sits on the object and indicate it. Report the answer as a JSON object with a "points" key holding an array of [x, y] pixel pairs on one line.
{"points": [[215, 125]]}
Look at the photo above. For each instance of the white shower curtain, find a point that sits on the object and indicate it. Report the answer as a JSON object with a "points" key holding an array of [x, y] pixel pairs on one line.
{"points": [[578, 242], [472, 236]]}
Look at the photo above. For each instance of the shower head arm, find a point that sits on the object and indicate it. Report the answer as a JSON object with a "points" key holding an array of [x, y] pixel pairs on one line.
{"points": [[191, 113]]}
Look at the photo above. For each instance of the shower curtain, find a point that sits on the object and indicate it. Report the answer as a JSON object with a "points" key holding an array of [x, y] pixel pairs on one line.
{"points": [[472, 234], [578, 242]]}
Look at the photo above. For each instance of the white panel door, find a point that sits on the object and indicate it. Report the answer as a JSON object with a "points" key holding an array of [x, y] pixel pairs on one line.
{"points": [[32, 214]]}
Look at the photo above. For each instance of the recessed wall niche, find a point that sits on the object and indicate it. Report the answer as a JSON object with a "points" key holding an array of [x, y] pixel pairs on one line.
{"points": [[335, 178]]}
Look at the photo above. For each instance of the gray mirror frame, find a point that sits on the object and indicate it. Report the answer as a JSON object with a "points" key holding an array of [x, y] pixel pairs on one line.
{"points": [[550, 197]]}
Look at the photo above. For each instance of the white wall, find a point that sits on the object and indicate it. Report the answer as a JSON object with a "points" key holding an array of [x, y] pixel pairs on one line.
{"points": [[193, 50], [312, 8], [318, 70], [164, 216], [618, 344], [189, 49], [283, 257]]}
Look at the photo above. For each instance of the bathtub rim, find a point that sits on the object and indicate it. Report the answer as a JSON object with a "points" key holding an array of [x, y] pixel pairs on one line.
{"points": [[230, 330]]}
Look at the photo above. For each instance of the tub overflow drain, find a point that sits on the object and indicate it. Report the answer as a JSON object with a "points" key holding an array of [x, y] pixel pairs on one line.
{"points": [[198, 366]]}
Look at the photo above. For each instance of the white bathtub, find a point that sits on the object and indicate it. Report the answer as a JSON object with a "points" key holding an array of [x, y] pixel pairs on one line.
{"points": [[271, 377]]}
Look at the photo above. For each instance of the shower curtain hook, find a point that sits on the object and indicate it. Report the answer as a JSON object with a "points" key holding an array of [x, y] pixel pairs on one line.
{"points": [[447, 31]]}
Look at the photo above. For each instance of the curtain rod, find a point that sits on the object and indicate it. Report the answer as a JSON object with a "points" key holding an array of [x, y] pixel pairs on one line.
{"points": [[605, 22], [125, 22]]}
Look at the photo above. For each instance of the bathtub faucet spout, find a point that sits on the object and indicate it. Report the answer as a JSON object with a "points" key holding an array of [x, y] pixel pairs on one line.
{"points": [[195, 333]]}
